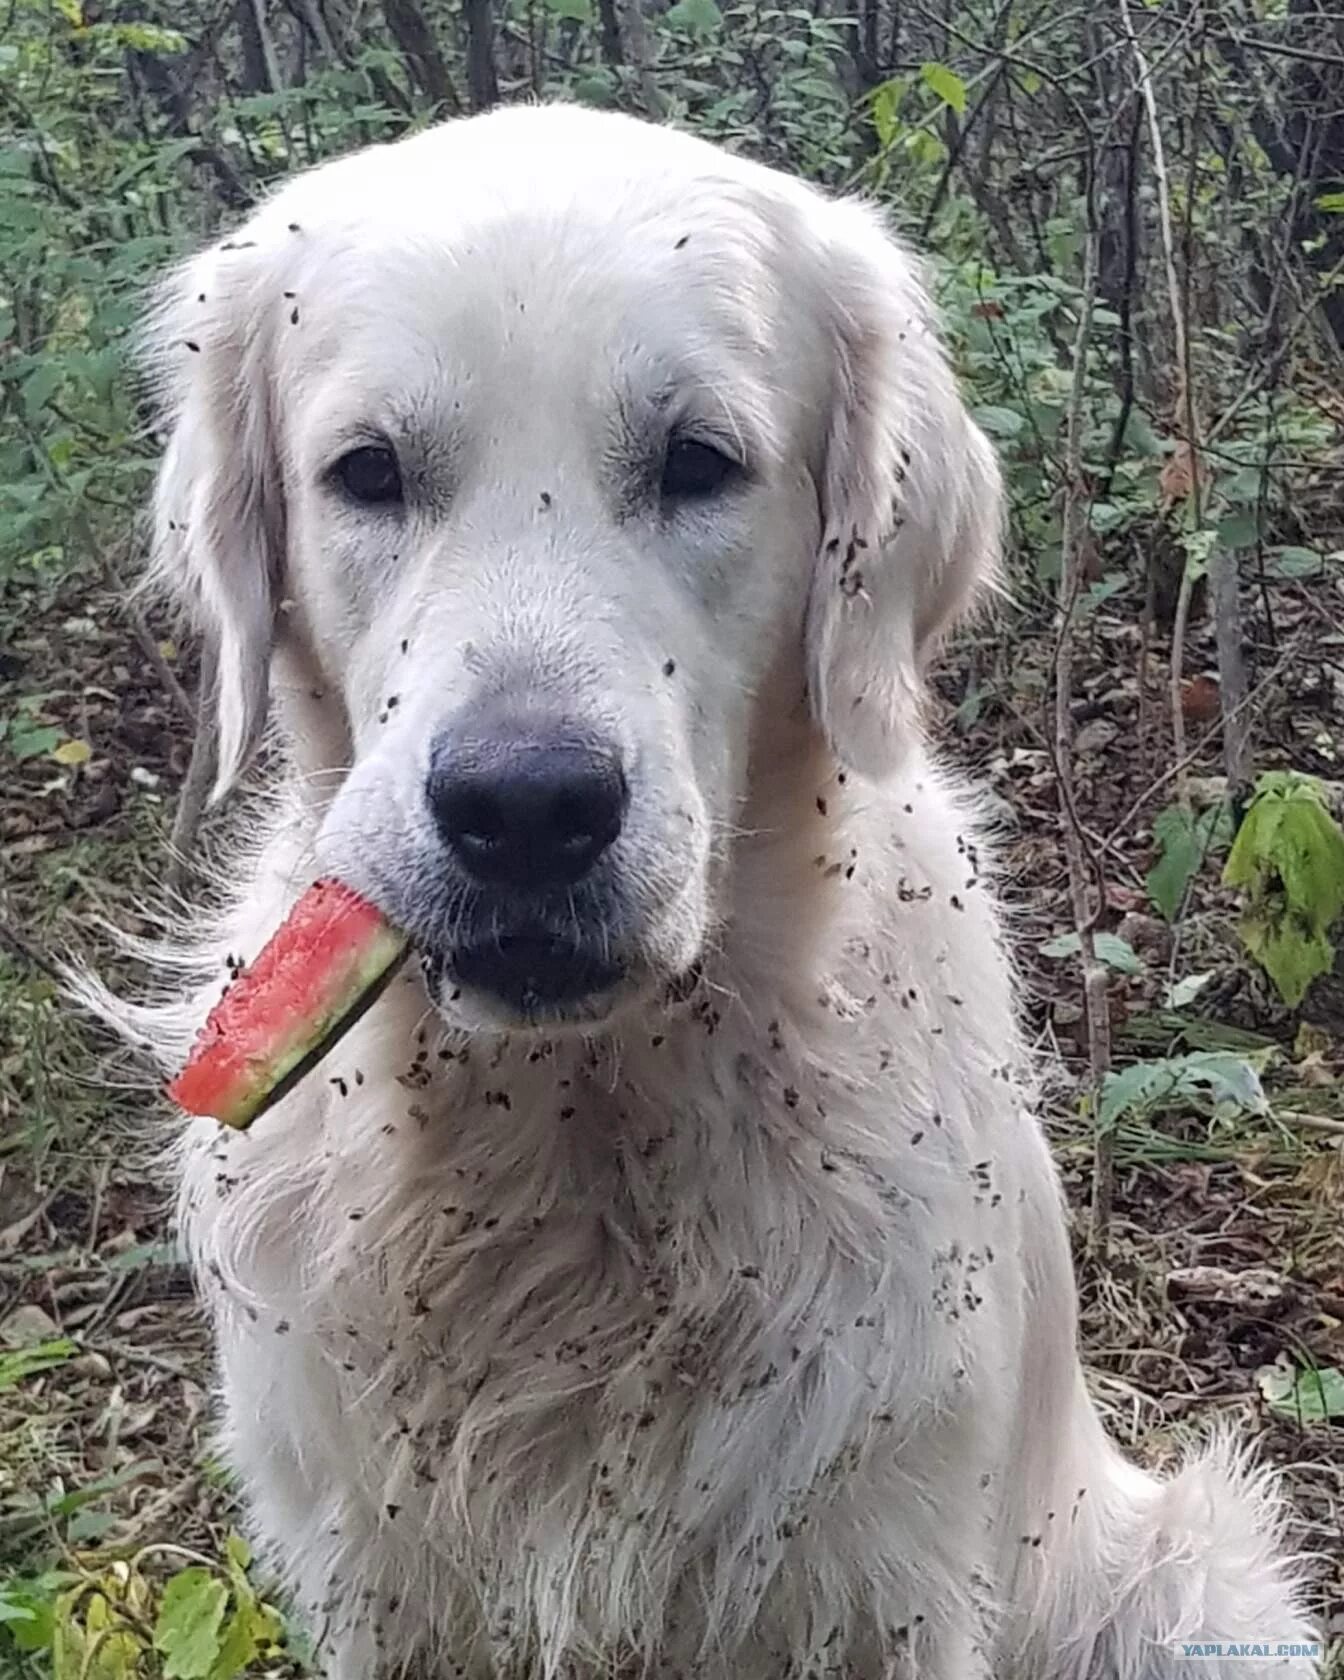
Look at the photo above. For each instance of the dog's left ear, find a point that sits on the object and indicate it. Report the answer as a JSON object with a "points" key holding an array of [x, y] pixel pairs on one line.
{"points": [[911, 500]]}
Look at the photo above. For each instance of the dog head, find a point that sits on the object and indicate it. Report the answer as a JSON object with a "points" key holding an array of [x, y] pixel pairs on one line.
{"points": [[515, 462]]}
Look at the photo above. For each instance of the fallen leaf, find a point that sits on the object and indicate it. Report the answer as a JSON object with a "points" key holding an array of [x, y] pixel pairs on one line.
{"points": [[1200, 699], [1254, 1288], [1177, 479], [1310, 1395]]}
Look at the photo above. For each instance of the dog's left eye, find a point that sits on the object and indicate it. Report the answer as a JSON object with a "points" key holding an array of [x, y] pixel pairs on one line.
{"points": [[369, 474], [693, 470]]}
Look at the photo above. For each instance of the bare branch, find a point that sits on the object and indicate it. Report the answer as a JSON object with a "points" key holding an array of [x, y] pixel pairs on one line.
{"points": [[639, 52], [420, 50], [1182, 344], [1086, 883], [482, 77]]}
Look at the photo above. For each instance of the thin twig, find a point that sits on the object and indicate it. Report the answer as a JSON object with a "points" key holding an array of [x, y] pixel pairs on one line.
{"points": [[96, 1210], [1310, 1122], [1086, 885], [111, 570], [1224, 583], [1182, 349], [138, 1356], [1175, 769], [639, 53], [1175, 694]]}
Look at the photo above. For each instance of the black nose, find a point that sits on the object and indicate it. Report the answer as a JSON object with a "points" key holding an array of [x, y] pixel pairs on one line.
{"points": [[525, 810]]}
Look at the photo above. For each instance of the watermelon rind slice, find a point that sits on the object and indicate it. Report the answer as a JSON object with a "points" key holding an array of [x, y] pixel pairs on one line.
{"points": [[328, 963]]}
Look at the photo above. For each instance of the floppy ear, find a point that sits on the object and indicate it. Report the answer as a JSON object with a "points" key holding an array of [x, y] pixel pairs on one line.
{"points": [[219, 518], [911, 501]]}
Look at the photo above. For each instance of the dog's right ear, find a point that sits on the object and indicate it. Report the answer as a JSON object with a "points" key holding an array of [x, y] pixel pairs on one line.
{"points": [[219, 515]]}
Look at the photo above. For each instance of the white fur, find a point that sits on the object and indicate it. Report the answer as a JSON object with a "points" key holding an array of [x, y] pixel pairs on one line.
{"points": [[727, 1336]]}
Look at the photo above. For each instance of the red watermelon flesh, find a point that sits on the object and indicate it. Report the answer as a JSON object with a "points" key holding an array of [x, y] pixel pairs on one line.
{"points": [[311, 982]]}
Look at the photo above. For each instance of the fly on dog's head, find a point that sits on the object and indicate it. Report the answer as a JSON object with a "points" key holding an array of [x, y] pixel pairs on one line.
{"points": [[519, 499]]}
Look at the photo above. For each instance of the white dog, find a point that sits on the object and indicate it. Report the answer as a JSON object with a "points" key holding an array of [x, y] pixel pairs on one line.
{"points": [[668, 1277]]}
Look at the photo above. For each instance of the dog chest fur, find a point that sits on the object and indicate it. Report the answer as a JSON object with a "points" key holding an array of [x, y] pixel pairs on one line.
{"points": [[582, 1330]]}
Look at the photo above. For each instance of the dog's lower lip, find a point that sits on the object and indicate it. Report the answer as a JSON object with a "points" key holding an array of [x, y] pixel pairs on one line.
{"points": [[530, 970]]}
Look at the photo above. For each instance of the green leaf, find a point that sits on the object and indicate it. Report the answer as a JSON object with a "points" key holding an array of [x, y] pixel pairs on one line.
{"points": [[1000, 422], [27, 1614], [1185, 991], [1288, 861], [1238, 530], [580, 11], [1102, 591], [1310, 1395], [18, 1363], [237, 1648], [1115, 952], [1207, 1078], [700, 17], [148, 38], [1140, 436], [967, 714], [41, 386], [1290, 562], [89, 1525], [1198, 546], [595, 89], [253, 1627], [1245, 487], [187, 1631], [886, 107], [1289, 951], [64, 1504], [1332, 203], [1185, 841], [28, 740], [945, 84], [145, 1254]]}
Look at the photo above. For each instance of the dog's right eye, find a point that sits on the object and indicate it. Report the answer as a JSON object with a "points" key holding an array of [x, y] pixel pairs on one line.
{"points": [[369, 474], [694, 471]]}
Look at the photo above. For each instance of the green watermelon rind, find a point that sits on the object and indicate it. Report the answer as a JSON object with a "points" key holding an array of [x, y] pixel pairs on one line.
{"points": [[313, 1038], [328, 963]]}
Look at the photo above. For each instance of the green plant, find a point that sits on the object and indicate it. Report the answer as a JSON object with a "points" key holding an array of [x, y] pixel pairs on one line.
{"points": [[1115, 952], [1306, 1394], [18, 1363], [1184, 839], [1288, 862], [1210, 1081], [125, 1620]]}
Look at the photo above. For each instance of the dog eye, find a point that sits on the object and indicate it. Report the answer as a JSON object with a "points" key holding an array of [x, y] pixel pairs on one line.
{"points": [[694, 470], [369, 474]]}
